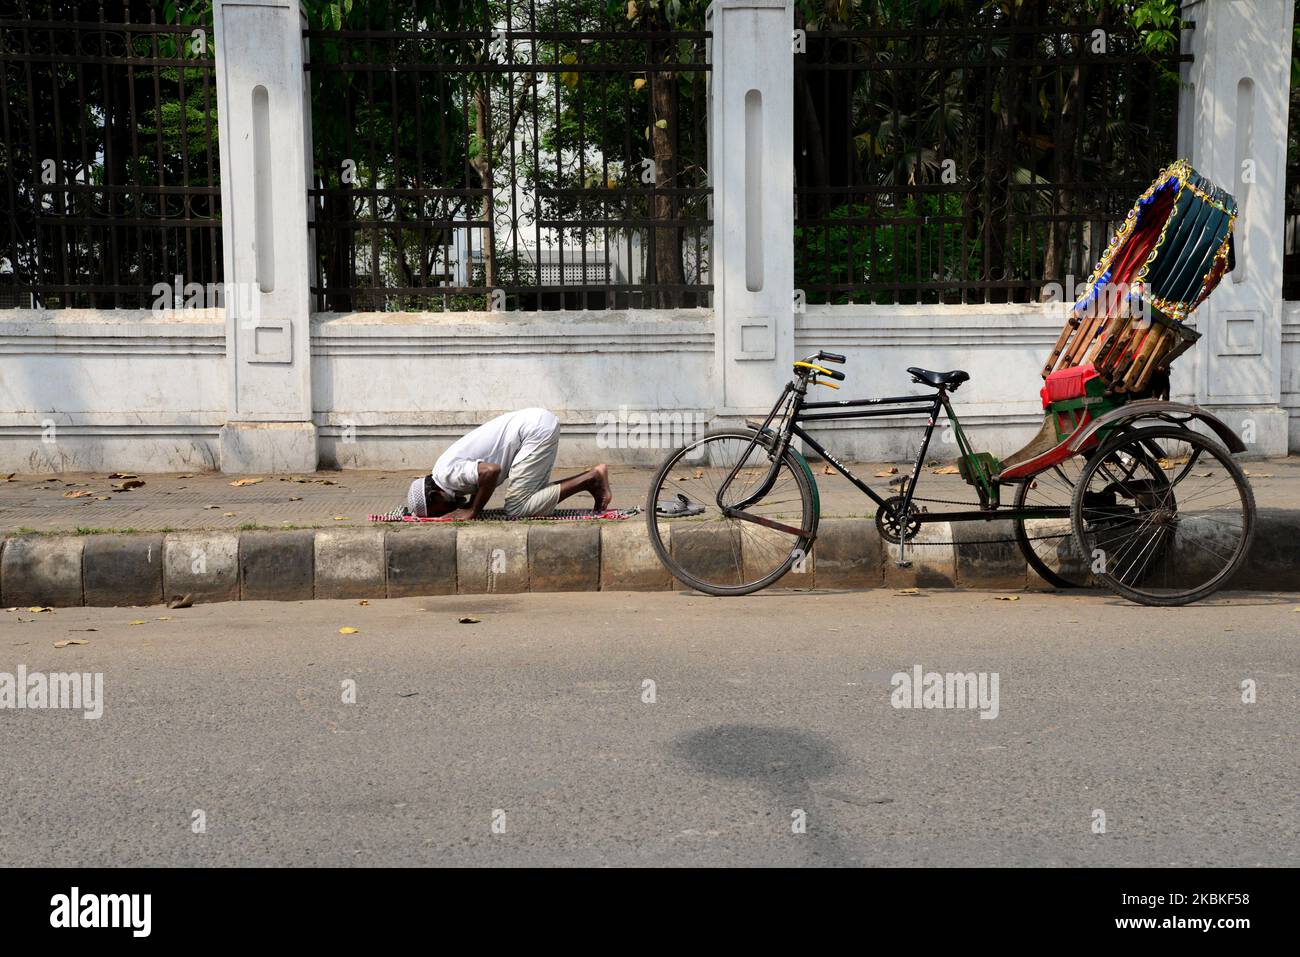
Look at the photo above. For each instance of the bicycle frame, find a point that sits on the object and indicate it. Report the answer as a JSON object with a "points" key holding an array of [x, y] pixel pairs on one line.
{"points": [[802, 411]]}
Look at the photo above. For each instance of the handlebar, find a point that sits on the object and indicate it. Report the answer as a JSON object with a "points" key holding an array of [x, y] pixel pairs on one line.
{"points": [[831, 357], [807, 367]]}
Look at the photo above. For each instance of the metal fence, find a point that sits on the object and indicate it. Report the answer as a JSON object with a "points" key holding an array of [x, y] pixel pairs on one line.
{"points": [[974, 158], [527, 154], [108, 154]]}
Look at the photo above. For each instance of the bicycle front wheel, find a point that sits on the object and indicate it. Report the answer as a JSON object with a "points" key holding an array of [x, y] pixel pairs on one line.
{"points": [[720, 554]]}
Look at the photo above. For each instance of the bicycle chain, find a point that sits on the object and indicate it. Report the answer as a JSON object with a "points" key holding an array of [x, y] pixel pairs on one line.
{"points": [[975, 541]]}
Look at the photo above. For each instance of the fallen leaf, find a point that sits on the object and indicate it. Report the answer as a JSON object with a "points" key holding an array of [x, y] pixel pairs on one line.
{"points": [[122, 475], [364, 601], [40, 608], [699, 473], [138, 621], [468, 620], [827, 470], [348, 630], [229, 514], [70, 641], [945, 470], [908, 591], [83, 629], [342, 518], [185, 601], [128, 485], [295, 498], [240, 483], [1007, 597], [103, 498], [186, 475], [10, 476], [81, 494], [163, 618], [638, 84], [887, 472], [212, 506]]}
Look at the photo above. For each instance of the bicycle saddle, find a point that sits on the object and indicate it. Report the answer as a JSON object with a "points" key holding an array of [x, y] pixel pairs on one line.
{"points": [[938, 379]]}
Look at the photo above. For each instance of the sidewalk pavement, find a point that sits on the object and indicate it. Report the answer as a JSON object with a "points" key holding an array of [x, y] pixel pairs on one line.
{"points": [[93, 502], [102, 540]]}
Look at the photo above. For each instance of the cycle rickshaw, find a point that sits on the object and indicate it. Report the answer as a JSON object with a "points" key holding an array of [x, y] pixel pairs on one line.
{"points": [[1121, 486]]}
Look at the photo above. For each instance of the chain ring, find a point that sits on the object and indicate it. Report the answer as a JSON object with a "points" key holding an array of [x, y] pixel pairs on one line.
{"points": [[887, 520]]}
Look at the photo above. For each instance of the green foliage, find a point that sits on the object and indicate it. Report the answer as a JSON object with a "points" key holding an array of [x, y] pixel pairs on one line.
{"points": [[922, 242]]}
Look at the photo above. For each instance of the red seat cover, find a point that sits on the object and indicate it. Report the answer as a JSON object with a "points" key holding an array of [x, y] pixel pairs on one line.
{"points": [[1069, 383]]}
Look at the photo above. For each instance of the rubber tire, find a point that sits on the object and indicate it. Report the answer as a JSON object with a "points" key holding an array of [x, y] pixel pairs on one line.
{"points": [[811, 516], [1229, 464], [1043, 570]]}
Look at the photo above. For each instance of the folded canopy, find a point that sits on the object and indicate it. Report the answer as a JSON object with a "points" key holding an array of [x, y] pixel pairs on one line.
{"points": [[1173, 247]]}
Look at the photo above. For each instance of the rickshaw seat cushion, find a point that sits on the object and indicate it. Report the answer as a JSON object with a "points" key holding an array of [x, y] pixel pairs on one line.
{"points": [[1069, 383]]}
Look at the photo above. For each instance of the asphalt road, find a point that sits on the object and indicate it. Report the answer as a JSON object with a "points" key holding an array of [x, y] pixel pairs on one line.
{"points": [[534, 719]]}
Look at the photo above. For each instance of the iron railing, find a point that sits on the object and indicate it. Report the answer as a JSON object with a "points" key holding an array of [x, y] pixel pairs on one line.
{"points": [[519, 154], [972, 158], [108, 154]]}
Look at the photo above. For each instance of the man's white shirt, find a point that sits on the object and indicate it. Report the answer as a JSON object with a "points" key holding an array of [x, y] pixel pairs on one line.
{"points": [[500, 441]]}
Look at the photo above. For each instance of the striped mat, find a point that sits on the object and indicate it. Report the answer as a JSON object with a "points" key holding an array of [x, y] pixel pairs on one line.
{"points": [[499, 515]]}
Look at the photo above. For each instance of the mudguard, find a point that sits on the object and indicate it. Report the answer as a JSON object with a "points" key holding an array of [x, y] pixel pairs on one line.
{"points": [[1176, 412]]}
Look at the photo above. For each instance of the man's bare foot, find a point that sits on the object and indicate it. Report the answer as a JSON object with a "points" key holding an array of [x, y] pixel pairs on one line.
{"points": [[601, 493]]}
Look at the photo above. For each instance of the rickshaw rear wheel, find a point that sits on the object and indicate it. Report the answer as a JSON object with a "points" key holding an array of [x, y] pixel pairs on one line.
{"points": [[1164, 515]]}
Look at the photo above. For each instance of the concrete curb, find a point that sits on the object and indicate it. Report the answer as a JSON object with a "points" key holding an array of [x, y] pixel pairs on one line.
{"points": [[399, 562]]}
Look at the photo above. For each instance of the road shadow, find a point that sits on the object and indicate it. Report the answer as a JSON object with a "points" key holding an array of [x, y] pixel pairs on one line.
{"points": [[783, 761]]}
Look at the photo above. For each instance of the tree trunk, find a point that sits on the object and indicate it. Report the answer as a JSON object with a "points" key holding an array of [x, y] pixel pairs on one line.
{"points": [[814, 147], [665, 265], [482, 164], [1003, 153], [1058, 235]]}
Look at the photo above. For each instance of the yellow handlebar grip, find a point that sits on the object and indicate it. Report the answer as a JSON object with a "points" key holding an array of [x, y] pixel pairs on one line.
{"points": [[809, 365]]}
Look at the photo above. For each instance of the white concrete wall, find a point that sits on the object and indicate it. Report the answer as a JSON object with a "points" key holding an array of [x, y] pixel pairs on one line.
{"points": [[1003, 347], [391, 390], [88, 390], [145, 391], [1291, 370]]}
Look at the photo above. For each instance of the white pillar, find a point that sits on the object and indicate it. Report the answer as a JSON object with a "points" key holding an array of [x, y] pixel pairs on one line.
{"points": [[751, 153], [265, 141], [1234, 123]]}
